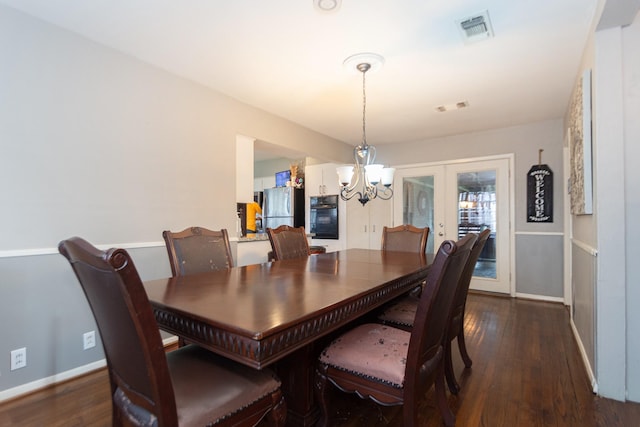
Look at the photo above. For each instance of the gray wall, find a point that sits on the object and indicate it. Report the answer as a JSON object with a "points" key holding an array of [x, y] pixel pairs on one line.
{"points": [[98, 144], [631, 72], [524, 142]]}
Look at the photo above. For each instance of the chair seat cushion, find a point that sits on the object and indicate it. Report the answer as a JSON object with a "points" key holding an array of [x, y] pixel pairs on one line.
{"points": [[371, 350], [209, 387], [402, 312]]}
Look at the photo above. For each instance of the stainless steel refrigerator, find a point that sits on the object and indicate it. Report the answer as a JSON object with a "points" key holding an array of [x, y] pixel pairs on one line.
{"points": [[283, 205]]}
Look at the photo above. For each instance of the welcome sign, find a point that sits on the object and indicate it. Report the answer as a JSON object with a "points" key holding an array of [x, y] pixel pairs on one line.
{"points": [[540, 194]]}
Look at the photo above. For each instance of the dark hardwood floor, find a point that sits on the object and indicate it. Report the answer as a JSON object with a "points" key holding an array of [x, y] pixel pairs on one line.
{"points": [[526, 372]]}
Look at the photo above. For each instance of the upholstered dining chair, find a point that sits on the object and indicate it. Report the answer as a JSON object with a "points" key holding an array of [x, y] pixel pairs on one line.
{"points": [[394, 367], [288, 242], [198, 250], [189, 386], [401, 314], [405, 238]]}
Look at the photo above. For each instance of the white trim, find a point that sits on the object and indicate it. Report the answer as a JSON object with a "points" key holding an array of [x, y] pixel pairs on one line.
{"points": [[568, 224], [510, 156], [539, 297], [36, 385], [54, 251], [588, 249], [539, 233], [585, 359], [45, 382], [512, 222]]}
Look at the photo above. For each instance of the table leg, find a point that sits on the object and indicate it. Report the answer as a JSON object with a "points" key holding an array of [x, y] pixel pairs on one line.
{"points": [[297, 371]]}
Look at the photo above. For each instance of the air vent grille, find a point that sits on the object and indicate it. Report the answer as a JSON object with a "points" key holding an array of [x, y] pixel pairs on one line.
{"points": [[475, 28]]}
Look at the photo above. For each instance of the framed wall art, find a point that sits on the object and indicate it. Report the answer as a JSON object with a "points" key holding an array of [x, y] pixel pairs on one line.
{"points": [[579, 135]]}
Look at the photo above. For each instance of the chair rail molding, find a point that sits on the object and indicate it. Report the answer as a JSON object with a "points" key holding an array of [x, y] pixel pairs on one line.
{"points": [[14, 253]]}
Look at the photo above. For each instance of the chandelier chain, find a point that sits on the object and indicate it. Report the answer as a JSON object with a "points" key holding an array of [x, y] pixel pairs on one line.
{"points": [[364, 109]]}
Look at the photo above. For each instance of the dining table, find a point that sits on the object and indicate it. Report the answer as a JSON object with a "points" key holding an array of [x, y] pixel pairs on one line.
{"points": [[280, 314]]}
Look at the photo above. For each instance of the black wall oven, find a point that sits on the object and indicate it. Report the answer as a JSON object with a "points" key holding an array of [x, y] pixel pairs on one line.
{"points": [[324, 217]]}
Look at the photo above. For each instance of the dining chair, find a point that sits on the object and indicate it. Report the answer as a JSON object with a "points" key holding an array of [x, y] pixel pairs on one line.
{"points": [[394, 367], [405, 238], [190, 386], [198, 250], [401, 314], [288, 242]]}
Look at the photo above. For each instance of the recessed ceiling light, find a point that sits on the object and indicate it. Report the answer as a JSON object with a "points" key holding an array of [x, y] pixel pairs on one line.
{"points": [[327, 5]]}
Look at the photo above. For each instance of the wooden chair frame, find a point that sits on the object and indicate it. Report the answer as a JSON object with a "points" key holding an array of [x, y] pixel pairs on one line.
{"points": [[209, 239]]}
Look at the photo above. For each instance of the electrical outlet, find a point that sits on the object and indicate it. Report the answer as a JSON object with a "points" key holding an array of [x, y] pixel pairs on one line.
{"points": [[18, 358], [89, 340]]}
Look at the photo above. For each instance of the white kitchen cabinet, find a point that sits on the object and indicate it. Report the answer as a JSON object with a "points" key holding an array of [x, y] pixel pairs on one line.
{"points": [[259, 184], [364, 223], [321, 179]]}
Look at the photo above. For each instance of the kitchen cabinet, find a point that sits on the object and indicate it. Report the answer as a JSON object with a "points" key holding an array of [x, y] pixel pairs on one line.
{"points": [[321, 179], [259, 184], [365, 223]]}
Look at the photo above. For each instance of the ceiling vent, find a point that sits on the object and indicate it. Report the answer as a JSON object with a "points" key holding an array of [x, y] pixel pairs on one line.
{"points": [[451, 107], [476, 27]]}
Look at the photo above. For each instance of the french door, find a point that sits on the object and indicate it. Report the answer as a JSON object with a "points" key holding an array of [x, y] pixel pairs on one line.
{"points": [[459, 198]]}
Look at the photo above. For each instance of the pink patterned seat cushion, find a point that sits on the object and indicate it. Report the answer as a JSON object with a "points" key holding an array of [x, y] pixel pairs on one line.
{"points": [[402, 312], [371, 350]]}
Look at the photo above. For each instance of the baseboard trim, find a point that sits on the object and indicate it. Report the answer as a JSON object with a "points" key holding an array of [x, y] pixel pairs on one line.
{"points": [[27, 388], [585, 359], [540, 297], [36, 385]]}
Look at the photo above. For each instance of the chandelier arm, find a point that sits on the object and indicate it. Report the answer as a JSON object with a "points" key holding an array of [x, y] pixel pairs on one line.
{"points": [[385, 194], [345, 194]]}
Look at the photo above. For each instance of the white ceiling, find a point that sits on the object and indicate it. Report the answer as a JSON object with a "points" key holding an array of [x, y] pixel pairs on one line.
{"points": [[285, 57]]}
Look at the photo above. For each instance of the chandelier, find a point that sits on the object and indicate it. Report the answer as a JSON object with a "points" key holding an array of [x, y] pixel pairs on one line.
{"points": [[365, 179]]}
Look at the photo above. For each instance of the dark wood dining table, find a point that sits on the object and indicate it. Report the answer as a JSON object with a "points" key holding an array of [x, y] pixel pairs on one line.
{"points": [[274, 314]]}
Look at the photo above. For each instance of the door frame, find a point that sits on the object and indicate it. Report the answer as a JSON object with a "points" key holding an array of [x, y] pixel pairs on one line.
{"points": [[510, 157]]}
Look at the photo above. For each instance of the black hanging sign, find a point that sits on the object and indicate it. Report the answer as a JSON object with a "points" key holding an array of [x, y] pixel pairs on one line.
{"points": [[540, 194]]}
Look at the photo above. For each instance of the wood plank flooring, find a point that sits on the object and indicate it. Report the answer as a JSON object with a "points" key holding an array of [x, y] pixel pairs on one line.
{"points": [[526, 372]]}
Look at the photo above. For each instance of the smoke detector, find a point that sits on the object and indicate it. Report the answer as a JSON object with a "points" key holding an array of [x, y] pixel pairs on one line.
{"points": [[476, 27]]}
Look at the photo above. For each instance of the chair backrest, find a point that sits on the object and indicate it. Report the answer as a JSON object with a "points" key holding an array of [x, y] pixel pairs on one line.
{"points": [[288, 242], [405, 238], [434, 306], [137, 365], [462, 290], [198, 250]]}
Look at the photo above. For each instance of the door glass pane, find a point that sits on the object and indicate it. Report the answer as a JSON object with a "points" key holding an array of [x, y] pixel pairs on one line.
{"points": [[477, 212], [417, 202]]}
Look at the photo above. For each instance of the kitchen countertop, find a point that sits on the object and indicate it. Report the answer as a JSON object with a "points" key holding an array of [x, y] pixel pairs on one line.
{"points": [[256, 237], [259, 237]]}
